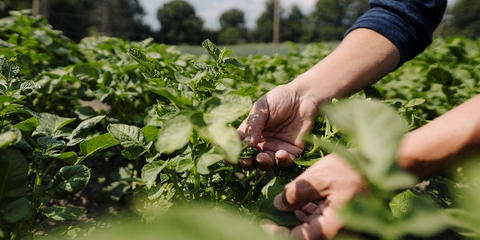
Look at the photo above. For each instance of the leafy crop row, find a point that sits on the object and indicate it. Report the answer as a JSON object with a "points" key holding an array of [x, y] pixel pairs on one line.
{"points": [[110, 124]]}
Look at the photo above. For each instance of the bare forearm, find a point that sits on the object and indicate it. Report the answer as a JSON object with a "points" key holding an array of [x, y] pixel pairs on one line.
{"points": [[431, 147], [363, 57]]}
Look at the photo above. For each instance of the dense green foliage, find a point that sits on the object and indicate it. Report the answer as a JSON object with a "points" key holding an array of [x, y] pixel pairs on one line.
{"points": [[139, 127]]}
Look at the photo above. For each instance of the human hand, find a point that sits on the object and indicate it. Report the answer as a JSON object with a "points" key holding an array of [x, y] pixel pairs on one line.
{"points": [[276, 126], [332, 182]]}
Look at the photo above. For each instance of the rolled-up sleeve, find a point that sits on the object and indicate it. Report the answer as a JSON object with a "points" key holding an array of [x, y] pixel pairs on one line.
{"points": [[408, 24]]}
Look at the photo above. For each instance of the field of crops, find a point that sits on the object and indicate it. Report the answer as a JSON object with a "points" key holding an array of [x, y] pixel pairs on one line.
{"points": [[108, 139]]}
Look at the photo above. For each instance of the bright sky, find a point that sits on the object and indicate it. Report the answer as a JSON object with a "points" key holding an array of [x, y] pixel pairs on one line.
{"points": [[210, 10]]}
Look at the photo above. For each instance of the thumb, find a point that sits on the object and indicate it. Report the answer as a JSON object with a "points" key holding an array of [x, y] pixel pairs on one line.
{"points": [[296, 195], [256, 121]]}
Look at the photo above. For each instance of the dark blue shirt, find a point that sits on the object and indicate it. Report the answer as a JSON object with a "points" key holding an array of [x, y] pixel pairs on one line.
{"points": [[409, 24]]}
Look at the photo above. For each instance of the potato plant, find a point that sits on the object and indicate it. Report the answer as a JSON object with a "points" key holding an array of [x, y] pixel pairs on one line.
{"points": [[138, 128]]}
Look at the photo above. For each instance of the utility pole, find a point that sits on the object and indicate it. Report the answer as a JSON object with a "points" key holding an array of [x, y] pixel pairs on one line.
{"points": [[40, 7], [276, 25]]}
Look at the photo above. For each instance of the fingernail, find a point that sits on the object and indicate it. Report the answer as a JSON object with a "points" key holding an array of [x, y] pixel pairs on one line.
{"points": [[280, 202]]}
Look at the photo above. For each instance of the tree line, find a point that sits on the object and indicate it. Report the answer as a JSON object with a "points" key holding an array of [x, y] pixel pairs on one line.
{"points": [[180, 24]]}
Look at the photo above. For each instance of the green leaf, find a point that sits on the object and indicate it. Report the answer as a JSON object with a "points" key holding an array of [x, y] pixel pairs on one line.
{"points": [[75, 137], [266, 209], [133, 153], [85, 72], [68, 157], [63, 213], [10, 137], [128, 136], [151, 170], [231, 108], [227, 139], [171, 95], [18, 210], [174, 135], [70, 180], [246, 91], [212, 50], [150, 133], [28, 126], [400, 205], [48, 124], [376, 130], [206, 160], [369, 214], [97, 143], [13, 174]]}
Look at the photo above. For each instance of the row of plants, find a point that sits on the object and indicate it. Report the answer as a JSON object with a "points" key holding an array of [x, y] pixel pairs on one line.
{"points": [[107, 127]]}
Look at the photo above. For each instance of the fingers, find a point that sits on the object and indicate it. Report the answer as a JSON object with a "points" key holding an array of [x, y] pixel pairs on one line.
{"points": [[284, 159], [326, 225], [247, 163], [265, 160], [296, 194], [256, 121], [285, 152]]}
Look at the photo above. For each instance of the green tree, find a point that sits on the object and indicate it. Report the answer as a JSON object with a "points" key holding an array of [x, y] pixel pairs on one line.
{"points": [[232, 18], [293, 28], [264, 28], [70, 16], [331, 18], [8, 5], [179, 23], [232, 27], [464, 19], [120, 18]]}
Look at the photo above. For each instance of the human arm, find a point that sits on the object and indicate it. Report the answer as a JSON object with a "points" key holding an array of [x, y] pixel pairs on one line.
{"points": [[423, 152], [278, 121], [430, 148]]}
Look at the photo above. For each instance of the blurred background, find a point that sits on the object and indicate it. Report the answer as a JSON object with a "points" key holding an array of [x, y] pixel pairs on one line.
{"points": [[226, 22]]}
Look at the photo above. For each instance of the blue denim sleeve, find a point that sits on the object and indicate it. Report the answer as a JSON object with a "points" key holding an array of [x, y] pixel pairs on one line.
{"points": [[409, 24]]}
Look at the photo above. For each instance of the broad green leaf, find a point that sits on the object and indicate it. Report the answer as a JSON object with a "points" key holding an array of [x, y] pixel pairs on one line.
{"points": [[264, 205], [85, 72], [212, 50], [10, 137], [199, 222], [227, 139], [134, 152], [246, 91], [231, 108], [150, 133], [63, 213], [376, 130], [151, 170], [27, 126], [13, 174], [171, 95], [18, 210], [70, 180], [400, 205], [128, 136], [206, 160], [97, 143], [68, 157], [369, 214], [47, 142], [182, 162], [48, 124], [174, 135], [75, 137]]}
